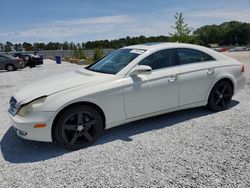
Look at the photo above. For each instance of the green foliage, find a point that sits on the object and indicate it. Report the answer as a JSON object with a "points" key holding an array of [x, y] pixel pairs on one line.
{"points": [[124, 42], [208, 34], [8, 46], [1, 47], [53, 46], [76, 54], [79, 53], [228, 33], [98, 54], [27, 46], [182, 31], [65, 46], [18, 47], [38, 46]]}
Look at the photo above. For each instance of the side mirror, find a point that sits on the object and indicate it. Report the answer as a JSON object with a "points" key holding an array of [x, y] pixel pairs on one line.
{"points": [[141, 69]]}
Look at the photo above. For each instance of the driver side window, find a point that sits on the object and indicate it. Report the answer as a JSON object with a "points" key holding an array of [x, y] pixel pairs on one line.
{"points": [[158, 60]]}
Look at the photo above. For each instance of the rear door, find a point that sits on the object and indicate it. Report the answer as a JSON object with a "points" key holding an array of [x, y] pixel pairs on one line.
{"points": [[196, 75]]}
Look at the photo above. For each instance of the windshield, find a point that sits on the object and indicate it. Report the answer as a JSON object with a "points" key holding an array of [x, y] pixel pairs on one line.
{"points": [[115, 61]]}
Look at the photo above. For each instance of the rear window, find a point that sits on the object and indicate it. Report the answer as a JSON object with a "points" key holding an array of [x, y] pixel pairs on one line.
{"points": [[186, 56]]}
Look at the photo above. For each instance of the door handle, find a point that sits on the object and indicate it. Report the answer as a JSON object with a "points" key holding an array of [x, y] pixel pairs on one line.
{"points": [[172, 78], [210, 71]]}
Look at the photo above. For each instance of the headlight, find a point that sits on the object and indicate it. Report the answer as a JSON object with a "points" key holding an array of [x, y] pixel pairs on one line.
{"points": [[27, 108]]}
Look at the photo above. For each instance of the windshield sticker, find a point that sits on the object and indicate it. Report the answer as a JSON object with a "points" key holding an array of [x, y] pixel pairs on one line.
{"points": [[137, 51]]}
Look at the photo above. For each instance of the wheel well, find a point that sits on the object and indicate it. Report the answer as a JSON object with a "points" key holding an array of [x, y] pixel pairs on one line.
{"points": [[73, 105], [227, 80], [9, 64], [223, 79]]}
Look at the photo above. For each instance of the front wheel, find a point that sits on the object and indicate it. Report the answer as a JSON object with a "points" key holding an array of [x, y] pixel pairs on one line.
{"points": [[10, 67], [220, 96], [79, 127]]}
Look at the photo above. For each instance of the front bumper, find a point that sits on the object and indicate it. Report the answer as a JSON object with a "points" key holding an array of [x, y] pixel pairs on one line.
{"points": [[24, 126]]}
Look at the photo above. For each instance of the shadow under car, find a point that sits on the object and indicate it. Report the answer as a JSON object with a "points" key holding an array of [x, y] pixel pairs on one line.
{"points": [[17, 150]]}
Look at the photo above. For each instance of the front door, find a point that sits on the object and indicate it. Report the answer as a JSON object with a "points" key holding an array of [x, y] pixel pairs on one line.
{"points": [[145, 94]]}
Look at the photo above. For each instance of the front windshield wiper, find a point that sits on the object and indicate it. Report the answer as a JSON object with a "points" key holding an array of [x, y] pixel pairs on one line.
{"points": [[98, 71]]}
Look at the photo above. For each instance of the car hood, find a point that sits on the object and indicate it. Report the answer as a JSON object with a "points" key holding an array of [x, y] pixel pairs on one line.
{"points": [[59, 83]]}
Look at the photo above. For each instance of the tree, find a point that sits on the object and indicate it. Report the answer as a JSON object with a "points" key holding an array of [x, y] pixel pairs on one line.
{"points": [[8, 46], [98, 54], [72, 46], [182, 31], [79, 53], [235, 33], [39, 46], [27, 46], [18, 47], [227, 33], [65, 46], [209, 35], [1, 47]]}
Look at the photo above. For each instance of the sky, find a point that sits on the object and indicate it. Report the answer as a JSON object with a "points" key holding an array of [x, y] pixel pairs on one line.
{"points": [[84, 20]]}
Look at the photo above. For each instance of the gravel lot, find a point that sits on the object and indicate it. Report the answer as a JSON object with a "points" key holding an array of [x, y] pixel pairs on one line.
{"points": [[191, 148]]}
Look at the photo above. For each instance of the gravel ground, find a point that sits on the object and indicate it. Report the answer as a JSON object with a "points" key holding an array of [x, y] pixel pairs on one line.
{"points": [[191, 148]]}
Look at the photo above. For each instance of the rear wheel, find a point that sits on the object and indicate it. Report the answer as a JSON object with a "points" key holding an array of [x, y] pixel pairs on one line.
{"points": [[220, 96], [79, 127], [10, 67]]}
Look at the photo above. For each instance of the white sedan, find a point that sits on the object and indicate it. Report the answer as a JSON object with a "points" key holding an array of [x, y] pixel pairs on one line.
{"points": [[129, 84]]}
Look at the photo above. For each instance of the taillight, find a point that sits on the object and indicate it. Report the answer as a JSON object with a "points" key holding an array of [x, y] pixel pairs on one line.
{"points": [[242, 68]]}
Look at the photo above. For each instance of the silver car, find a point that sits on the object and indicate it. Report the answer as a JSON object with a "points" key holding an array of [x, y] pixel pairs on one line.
{"points": [[10, 63]]}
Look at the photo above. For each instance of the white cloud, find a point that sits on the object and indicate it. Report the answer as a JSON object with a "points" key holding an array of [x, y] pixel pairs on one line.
{"points": [[4, 34], [70, 28], [223, 14], [112, 27], [118, 19], [83, 29]]}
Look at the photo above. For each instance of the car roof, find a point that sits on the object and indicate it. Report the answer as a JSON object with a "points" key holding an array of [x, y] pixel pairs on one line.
{"points": [[166, 45], [162, 45]]}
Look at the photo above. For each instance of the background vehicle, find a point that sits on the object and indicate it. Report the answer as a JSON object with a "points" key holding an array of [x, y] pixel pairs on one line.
{"points": [[239, 49], [9, 63], [129, 84], [220, 49], [30, 59]]}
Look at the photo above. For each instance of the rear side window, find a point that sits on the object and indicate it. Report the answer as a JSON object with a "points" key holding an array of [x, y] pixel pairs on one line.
{"points": [[2, 58], [158, 60], [186, 56]]}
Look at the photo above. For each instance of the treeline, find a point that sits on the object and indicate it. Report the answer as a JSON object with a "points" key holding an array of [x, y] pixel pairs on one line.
{"points": [[114, 44], [228, 33]]}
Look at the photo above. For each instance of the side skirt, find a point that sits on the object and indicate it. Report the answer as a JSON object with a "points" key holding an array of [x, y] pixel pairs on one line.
{"points": [[193, 105]]}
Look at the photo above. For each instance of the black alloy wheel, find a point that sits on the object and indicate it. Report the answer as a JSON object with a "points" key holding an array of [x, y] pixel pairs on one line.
{"points": [[79, 127], [220, 96]]}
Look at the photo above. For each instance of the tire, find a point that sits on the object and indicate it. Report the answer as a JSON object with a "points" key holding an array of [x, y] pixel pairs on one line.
{"points": [[10, 67], [220, 96], [78, 127]]}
